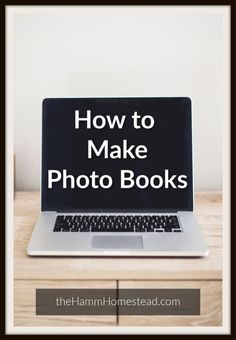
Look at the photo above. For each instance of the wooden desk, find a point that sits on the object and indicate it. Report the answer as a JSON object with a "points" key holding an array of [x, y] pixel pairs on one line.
{"points": [[75, 272]]}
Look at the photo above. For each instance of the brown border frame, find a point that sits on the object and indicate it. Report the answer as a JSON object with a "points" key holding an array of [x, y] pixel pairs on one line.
{"points": [[3, 5]]}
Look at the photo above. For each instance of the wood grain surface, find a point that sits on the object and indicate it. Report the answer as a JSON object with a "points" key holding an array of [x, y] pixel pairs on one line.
{"points": [[24, 304], [208, 212], [35, 272], [210, 302]]}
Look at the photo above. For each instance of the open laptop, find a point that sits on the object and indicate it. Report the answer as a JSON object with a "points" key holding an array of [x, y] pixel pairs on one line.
{"points": [[117, 179]]}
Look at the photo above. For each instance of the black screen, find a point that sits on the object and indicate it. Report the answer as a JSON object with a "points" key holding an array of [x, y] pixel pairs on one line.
{"points": [[168, 143]]}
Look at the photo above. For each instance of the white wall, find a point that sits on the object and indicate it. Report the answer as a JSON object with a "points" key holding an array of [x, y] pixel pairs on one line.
{"points": [[152, 51]]}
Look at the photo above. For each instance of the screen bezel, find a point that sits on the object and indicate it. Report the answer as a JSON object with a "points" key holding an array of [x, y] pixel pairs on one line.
{"points": [[48, 207]]}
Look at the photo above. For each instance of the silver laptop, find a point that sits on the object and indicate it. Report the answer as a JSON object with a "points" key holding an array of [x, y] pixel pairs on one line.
{"points": [[117, 179]]}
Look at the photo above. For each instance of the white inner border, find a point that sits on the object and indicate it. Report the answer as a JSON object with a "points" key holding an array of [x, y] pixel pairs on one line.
{"points": [[10, 328]]}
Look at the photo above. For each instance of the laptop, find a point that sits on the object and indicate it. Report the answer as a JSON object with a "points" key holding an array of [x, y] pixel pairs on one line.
{"points": [[117, 179]]}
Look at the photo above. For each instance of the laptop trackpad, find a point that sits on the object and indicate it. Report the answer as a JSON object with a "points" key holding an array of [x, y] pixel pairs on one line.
{"points": [[117, 242]]}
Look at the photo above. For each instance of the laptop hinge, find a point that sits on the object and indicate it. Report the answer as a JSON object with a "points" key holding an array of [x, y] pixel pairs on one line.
{"points": [[116, 211], [49, 212]]}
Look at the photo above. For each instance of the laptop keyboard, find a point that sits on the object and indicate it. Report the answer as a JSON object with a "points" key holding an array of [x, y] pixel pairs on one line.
{"points": [[117, 223]]}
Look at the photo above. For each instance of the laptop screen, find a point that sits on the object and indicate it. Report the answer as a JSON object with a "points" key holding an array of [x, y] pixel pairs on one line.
{"points": [[117, 154]]}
